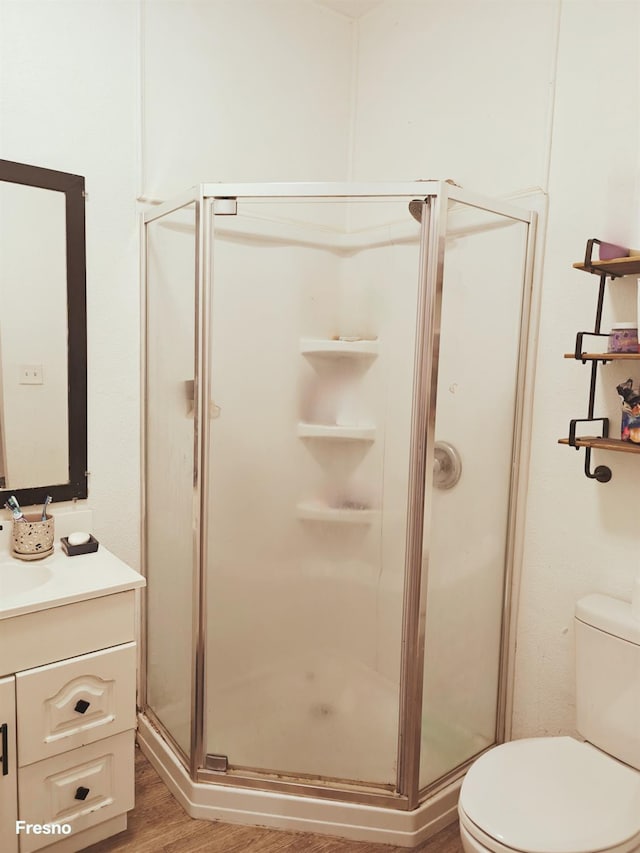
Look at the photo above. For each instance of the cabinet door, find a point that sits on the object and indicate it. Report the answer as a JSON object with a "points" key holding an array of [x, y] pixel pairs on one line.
{"points": [[8, 778]]}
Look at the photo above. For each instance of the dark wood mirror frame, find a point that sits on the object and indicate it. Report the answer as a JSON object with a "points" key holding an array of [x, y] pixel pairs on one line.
{"points": [[73, 188]]}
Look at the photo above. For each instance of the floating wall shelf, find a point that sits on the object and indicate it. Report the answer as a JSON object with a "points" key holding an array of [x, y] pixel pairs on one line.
{"points": [[605, 356], [349, 433], [612, 268], [599, 443]]}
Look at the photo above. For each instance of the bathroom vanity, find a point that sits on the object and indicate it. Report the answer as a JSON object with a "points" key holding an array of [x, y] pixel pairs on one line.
{"points": [[67, 699]]}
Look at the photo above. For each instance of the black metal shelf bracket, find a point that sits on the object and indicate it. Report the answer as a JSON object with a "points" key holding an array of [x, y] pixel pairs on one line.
{"points": [[588, 260], [604, 433], [601, 473], [579, 347]]}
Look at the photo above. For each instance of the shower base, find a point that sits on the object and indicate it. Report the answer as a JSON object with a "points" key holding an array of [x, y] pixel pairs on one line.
{"points": [[320, 715], [251, 807], [326, 716]]}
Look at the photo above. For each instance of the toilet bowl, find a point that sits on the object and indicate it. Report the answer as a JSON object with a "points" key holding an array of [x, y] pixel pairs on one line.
{"points": [[549, 795], [561, 794]]}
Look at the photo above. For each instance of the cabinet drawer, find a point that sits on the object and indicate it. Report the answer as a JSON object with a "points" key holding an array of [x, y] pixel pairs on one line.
{"points": [[51, 791], [71, 629], [74, 702]]}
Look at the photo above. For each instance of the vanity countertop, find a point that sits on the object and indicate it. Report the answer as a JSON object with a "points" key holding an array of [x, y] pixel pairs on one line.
{"points": [[26, 587]]}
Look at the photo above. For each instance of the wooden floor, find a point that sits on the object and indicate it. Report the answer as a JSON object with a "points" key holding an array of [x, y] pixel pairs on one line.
{"points": [[158, 824]]}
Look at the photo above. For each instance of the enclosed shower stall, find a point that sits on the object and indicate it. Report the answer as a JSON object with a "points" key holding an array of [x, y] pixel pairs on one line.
{"points": [[332, 440]]}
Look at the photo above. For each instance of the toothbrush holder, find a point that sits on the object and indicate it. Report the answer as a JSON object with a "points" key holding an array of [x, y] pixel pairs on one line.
{"points": [[32, 539]]}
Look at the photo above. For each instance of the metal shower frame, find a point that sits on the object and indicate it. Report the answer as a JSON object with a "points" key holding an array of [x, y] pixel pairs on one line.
{"points": [[213, 198]]}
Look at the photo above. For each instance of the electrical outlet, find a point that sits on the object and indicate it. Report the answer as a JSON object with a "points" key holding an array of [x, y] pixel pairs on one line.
{"points": [[30, 374]]}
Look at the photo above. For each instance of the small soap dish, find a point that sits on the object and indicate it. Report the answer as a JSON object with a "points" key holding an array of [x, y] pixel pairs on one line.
{"points": [[73, 550]]}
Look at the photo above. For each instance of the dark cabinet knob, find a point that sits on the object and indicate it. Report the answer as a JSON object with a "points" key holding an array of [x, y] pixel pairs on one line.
{"points": [[81, 706], [81, 793]]}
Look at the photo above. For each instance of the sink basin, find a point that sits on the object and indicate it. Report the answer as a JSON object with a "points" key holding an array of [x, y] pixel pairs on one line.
{"points": [[56, 580], [21, 578]]}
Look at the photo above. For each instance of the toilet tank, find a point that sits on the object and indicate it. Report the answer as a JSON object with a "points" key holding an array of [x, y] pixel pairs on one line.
{"points": [[608, 676]]}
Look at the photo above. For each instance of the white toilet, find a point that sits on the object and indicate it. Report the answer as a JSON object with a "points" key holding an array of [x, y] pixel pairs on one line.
{"points": [[558, 794]]}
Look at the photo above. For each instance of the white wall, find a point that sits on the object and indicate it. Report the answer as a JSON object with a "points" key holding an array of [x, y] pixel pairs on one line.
{"points": [[244, 90], [465, 90], [455, 89], [67, 102], [581, 536]]}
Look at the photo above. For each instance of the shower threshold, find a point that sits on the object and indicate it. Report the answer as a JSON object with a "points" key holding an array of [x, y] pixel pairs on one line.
{"points": [[295, 813]]}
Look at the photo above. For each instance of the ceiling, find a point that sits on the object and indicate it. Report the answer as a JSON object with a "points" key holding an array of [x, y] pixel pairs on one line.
{"points": [[350, 8]]}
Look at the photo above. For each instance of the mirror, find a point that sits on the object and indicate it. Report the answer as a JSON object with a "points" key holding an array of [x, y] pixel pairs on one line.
{"points": [[43, 336]]}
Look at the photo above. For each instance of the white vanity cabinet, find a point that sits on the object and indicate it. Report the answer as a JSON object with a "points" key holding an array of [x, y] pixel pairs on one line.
{"points": [[68, 697], [8, 790]]}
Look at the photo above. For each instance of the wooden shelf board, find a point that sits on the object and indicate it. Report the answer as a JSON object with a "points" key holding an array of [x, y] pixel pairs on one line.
{"points": [[604, 444], [604, 356], [615, 266]]}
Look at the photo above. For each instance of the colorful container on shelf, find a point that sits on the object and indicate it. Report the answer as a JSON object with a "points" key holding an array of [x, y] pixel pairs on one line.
{"points": [[623, 337], [630, 398]]}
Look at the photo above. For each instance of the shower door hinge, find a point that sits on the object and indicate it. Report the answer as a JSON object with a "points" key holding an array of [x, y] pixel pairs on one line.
{"points": [[225, 206], [216, 762]]}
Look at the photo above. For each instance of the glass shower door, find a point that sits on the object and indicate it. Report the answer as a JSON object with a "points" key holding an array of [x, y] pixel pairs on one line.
{"points": [[312, 349], [468, 523]]}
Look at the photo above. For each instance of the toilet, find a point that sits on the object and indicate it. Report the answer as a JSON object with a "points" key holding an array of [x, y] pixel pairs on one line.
{"points": [[560, 794]]}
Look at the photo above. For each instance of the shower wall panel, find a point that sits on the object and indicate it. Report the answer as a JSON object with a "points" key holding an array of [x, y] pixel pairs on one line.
{"points": [[169, 470], [469, 524], [387, 272]]}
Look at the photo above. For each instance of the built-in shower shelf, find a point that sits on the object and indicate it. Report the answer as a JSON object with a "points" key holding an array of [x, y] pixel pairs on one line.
{"points": [[336, 431], [315, 511], [329, 348]]}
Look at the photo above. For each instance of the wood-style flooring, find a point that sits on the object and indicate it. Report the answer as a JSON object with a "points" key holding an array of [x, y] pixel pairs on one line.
{"points": [[158, 824]]}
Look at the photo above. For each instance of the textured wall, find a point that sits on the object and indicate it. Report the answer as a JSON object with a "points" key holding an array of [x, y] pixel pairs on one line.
{"points": [[466, 90], [67, 102]]}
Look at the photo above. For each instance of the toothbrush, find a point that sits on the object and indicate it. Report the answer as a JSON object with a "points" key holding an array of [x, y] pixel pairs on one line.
{"points": [[47, 501], [13, 505]]}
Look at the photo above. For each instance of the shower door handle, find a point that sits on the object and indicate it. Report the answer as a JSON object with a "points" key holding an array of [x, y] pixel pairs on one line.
{"points": [[447, 465]]}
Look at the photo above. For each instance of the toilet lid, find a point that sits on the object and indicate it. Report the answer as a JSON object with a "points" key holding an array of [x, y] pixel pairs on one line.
{"points": [[552, 795]]}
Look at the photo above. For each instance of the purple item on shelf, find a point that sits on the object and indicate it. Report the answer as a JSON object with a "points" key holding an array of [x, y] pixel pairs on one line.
{"points": [[608, 251], [623, 337]]}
